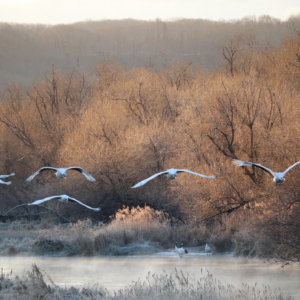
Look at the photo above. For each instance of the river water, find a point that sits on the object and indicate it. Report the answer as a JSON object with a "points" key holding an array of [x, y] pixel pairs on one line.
{"points": [[115, 273]]}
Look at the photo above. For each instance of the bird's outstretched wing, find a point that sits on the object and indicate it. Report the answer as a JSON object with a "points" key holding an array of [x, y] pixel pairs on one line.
{"points": [[5, 176], [37, 202], [181, 170], [289, 168], [148, 179], [84, 172], [5, 182], [75, 200], [39, 171], [242, 163]]}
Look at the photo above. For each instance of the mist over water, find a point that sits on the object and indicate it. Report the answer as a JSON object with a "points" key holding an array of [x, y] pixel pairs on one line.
{"points": [[115, 273]]}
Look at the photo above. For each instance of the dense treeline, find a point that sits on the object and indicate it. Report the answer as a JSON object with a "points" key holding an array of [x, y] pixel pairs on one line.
{"points": [[27, 51], [123, 124]]}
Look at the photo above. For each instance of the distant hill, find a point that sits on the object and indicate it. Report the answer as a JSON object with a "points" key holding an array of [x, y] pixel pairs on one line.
{"points": [[28, 51]]}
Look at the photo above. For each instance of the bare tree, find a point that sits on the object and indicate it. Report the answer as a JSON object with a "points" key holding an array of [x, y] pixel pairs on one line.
{"points": [[230, 53], [11, 114], [223, 124]]}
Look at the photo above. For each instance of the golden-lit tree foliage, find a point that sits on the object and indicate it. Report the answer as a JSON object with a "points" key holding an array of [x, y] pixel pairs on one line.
{"points": [[123, 125]]}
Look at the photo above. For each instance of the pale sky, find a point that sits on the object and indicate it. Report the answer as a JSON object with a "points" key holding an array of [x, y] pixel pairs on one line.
{"points": [[70, 11]]}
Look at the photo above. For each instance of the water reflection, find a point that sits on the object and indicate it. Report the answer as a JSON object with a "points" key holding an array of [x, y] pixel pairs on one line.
{"points": [[116, 272]]}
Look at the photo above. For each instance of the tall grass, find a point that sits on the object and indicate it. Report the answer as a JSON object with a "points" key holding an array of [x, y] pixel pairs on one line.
{"points": [[128, 227], [32, 285], [133, 228]]}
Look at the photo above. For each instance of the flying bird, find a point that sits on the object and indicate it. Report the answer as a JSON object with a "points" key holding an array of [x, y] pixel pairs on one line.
{"points": [[62, 199], [278, 177], [62, 172], [172, 174], [5, 176], [180, 250], [5, 182]]}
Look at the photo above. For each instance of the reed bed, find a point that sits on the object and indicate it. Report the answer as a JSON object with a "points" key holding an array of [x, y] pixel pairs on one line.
{"points": [[129, 228], [139, 226], [32, 285]]}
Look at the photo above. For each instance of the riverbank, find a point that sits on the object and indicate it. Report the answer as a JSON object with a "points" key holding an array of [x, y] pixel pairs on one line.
{"points": [[32, 285], [85, 239], [131, 232], [137, 231]]}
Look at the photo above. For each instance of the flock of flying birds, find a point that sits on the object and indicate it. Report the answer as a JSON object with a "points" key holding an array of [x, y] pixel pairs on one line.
{"points": [[278, 177]]}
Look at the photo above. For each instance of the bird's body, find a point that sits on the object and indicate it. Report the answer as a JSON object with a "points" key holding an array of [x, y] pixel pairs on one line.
{"points": [[62, 199], [5, 176], [278, 177], [5, 182], [207, 248], [62, 172], [180, 250], [172, 174]]}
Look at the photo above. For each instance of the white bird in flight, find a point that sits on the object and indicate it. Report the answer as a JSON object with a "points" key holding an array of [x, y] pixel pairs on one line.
{"points": [[5, 176], [62, 199], [278, 177], [180, 250], [62, 172], [172, 174]]}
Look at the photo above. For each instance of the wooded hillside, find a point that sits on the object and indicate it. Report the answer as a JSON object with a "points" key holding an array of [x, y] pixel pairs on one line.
{"points": [[28, 51], [123, 124]]}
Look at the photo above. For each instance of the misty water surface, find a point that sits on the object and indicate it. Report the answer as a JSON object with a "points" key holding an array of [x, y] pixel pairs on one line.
{"points": [[115, 273]]}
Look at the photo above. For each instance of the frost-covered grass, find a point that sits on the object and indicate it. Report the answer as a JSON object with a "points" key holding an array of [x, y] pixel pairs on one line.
{"points": [[128, 227], [137, 229], [179, 286]]}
